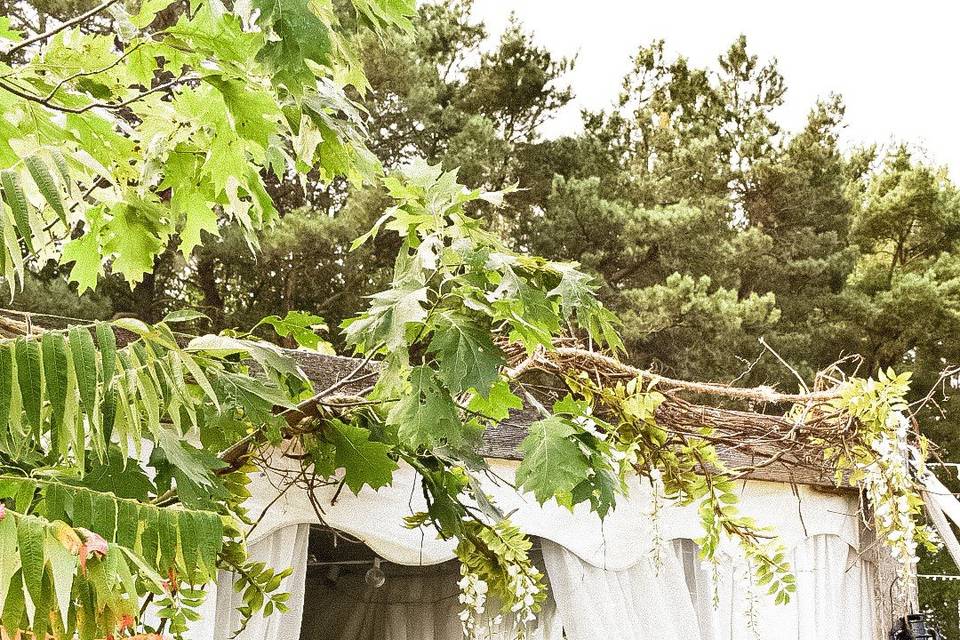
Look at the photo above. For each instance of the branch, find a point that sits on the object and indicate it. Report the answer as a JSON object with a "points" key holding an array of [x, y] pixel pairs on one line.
{"points": [[758, 394], [52, 32], [84, 74], [112, 106]]}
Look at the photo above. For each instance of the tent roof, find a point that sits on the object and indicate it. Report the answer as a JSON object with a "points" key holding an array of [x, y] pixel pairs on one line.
{"points": [[503, 441]]}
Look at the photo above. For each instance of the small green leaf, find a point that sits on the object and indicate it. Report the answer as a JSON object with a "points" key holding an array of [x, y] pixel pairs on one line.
{"points": [[16, 199], [29, 378], [553, 463], [498, 403], [200, 378], [85, 364], [30, 538], [104, 520], [47, 185], [184, 315], [107, 345], [9, 556], [63, 567], [55, 362], [6, 381]]}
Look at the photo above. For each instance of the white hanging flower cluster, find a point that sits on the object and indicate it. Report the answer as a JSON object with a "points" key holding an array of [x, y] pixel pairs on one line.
{"points": [[495, 566], [886, 464], [525, 584], [473, 597], [888, 484]]}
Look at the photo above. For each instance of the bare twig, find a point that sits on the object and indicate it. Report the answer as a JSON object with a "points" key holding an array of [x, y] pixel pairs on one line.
{"points": [[54, 31]]}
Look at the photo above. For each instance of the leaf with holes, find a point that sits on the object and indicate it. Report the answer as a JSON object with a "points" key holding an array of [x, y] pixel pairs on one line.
{"points": [[427, 415]]}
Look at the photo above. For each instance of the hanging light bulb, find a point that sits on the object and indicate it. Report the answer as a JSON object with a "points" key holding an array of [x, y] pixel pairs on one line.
{"points": [[375, 576]]}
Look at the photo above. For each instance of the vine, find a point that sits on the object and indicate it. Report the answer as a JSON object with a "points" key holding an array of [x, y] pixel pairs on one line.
{"points": [[882, 459]]}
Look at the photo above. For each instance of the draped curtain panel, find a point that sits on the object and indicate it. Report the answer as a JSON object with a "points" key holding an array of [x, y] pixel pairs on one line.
{"points": [[219, 619], [641, 602], [421, 606], [833, 601]]}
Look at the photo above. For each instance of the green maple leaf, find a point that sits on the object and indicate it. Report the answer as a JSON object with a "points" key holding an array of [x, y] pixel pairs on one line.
{"points": [[467, 357], [600, 490], [532, 315], [133, 236], [254, 112], [300, 36], [497, 404], [553, 463], [363, 461], [226, 160], [299, 325], [576, 292], [84, 253], [198, 216], [427, 415], [575, 287], [385, 322]]}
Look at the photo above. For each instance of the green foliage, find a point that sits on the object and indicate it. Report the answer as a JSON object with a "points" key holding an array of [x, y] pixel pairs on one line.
{"points": [[300, 327], [553, 463], [117, 144], [694, 217], [364, 462], [84, 516], [498, 558], [883, 463], [99, 564]]}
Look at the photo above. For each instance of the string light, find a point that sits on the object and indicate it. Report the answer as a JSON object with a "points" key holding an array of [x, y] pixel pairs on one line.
{"points": [[375, 576]]}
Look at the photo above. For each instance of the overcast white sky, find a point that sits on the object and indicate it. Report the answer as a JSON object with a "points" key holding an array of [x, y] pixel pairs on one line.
{"points": [[895, 63]]}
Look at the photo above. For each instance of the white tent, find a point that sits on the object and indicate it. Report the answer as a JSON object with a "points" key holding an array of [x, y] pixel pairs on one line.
{"points": [[635, 575], [631, 576]]}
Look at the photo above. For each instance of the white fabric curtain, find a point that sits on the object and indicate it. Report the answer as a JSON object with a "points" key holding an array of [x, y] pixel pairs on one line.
{"points": [[422, 605], [834, 589], [833, 601], [642, 602], [699, 583], [219, 619]]}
